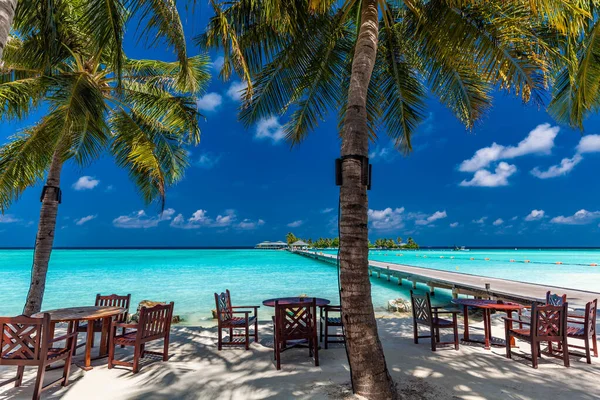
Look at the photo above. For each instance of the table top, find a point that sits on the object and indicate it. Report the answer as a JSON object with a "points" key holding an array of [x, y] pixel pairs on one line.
{"points": [[290, 300], [492, 304], [81, 313]]}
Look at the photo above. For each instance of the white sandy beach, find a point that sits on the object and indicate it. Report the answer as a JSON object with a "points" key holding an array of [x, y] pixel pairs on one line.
{"points": [[196, 370]]}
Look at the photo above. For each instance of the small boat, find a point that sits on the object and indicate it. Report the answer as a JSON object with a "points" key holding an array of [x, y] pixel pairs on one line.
{"points": [[461, 248]]}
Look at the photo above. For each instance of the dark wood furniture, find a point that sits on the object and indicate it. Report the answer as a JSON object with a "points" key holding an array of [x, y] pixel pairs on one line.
{"points": [[548, 324], [487, 306], [295, 324], [154, 324], [226, 319], [28, 342], [583, 327], [78, 314], [293, 300], [328, 321], [425, 314], [552, 299], [112, 300]]}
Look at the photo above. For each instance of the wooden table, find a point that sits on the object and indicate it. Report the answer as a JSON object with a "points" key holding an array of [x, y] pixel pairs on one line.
{"points": [[90, 314], [291, 300], [487, 306]]}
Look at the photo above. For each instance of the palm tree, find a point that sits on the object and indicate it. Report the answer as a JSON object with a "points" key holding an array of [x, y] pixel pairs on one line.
{"points": [[143, 111], [7, 13], [376, 61]]}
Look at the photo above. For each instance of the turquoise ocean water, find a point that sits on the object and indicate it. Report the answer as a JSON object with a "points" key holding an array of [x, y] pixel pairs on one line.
{"points": [[190, 277]]}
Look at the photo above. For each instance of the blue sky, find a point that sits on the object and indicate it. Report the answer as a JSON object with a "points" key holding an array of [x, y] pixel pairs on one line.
{"points": [[519, 179]]}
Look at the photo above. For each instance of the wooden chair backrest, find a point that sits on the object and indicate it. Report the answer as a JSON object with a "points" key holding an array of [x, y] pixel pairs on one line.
{"points": [[549, 322], [295, 321], [22, 340], [553, 299], [421, 308], [114, 300], [155, 322], [591, 309], [224, 310]]}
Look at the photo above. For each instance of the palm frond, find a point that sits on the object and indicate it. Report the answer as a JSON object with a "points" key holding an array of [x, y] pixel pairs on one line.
{"points": [[18, 98]]}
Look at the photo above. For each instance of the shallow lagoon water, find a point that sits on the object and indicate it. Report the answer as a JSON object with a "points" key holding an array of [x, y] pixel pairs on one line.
{"points": [[190, 277]]}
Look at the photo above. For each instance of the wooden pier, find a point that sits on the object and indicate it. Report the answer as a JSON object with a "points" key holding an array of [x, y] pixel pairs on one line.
{"points": [[466, 284]]}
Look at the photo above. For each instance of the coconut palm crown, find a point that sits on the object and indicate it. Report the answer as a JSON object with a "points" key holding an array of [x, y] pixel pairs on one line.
{"points": [[94, 100]]}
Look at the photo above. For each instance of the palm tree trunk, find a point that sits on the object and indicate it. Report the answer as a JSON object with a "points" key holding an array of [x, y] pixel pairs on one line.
{"points": [[7, 13], [370, 376], [45, 237]]}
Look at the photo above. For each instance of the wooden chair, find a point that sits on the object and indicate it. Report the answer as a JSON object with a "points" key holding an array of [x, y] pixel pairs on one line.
{"points": [[227, 320], [548, 324], [583, 327], [112, 300], [28, 342], [328, 321], [425, 314], [154, 324], [295, 325]]}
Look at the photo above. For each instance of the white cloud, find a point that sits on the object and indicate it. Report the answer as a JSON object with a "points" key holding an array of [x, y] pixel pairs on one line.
{"points": [[386, 154], [514, 218], [326, 210], [237, 90], [86, 183], [139, 219], [270, 128], [83, 220], [109, 188], [539, 141], [535, 215], [207, 160], [589, 144], [433, 217], [565, 166], [200, 219], [209, 102], [8, 219], [387, 219], [498, 222], [480, 221], [248, 224], [485, 178], [218, 62], [454, 225], [581, 217], [296, 224]]}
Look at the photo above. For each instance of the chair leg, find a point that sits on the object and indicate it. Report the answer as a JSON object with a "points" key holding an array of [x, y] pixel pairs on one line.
{"points": [[219, 338], [534, 354], [143, 350], [247, 336], [67, 370], [111, 348], [316, 351], [595, 345], [566, 353], [507, 336], [437, 334], [415, 332], [76, 328], [166, 348], [433, 343], [39, 382], [20, 370], [278, 356], [455, 329], [256, 330], [326, 334], [230, 335], [123, 333], [321, 331], [550, 349], [136, 358]]}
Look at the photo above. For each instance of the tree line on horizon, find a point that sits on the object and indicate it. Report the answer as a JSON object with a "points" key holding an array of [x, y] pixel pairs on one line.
{"points": [[382, 243]]}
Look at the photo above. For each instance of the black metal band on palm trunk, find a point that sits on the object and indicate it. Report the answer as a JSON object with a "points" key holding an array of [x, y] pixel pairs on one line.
{"points": [[57, 192], [366, 169]]}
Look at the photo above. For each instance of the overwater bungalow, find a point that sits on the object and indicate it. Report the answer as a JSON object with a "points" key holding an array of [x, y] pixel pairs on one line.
{"points": [[299, 245], [271, 245]]}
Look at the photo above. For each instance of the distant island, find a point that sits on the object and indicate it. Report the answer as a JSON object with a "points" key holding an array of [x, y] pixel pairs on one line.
{"points": [[325, 243]]}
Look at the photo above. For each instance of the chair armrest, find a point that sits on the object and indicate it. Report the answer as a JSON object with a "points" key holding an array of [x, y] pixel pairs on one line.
{"points": [[63, 337], [241, 312], [575, 316], [570, 321], [449, 312], [124, 325], [255, 307], [518, 321]]}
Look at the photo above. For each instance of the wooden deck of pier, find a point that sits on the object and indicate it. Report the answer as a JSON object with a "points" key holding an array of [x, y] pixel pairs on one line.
{"points": [[468, 284]]}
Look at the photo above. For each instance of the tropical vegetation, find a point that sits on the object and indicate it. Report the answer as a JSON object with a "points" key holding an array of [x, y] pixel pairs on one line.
{"points": [[67, 57], [376, 62]]}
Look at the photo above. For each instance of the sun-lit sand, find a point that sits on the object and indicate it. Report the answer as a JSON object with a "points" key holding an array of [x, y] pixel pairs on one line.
{"points": [[196, 370]]}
